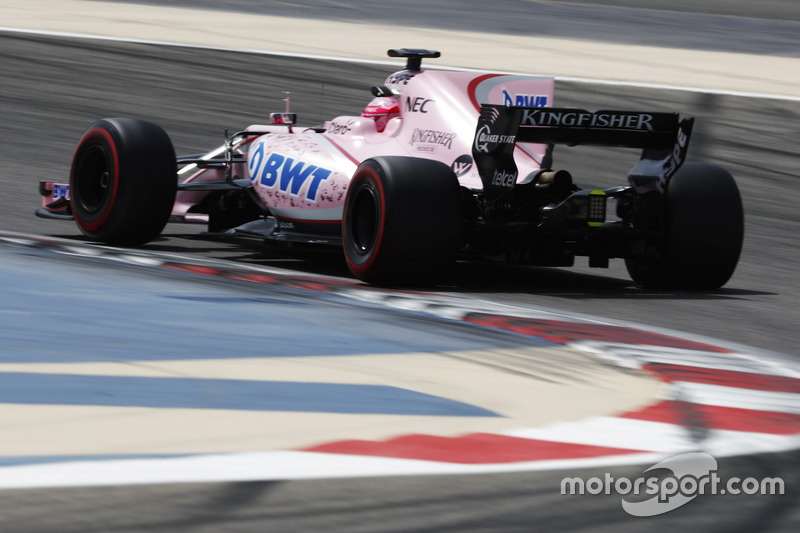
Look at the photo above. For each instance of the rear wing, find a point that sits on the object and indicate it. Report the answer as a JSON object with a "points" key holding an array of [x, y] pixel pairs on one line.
{"points": [[663, 138]]}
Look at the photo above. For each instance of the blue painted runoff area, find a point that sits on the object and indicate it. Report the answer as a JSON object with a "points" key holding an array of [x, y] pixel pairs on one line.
{"points": [[246, 395], [59, 308]]}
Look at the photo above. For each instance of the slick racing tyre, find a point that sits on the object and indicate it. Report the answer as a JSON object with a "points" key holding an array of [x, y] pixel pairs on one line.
{"points": [[703, 230], [402, 221], [123, 181]]}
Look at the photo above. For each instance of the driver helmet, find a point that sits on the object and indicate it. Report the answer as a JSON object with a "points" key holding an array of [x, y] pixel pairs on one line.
{"points": [[382, 109]]}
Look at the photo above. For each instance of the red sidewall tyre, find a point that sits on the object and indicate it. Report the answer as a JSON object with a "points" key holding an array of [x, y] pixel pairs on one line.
{"points": [[367, 221], [97, 160], [123, 181], [402, 221]]}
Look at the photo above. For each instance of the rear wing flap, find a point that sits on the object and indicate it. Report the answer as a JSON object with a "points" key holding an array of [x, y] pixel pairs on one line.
{"points": [[663, 138]]}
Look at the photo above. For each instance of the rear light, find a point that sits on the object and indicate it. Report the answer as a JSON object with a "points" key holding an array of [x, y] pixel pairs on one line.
{"points": [[596, 215]]}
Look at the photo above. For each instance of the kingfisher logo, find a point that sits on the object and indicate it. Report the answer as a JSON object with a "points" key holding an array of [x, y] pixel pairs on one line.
{"points": [[287, 174], [524, 100]]}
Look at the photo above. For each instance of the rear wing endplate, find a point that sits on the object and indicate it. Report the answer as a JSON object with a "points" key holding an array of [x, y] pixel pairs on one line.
{"points": [[663, 138]]}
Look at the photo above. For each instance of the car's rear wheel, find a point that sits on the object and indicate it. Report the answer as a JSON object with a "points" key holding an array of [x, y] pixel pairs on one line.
{"points": [[702, 233], [402, 221], [123, 181]]}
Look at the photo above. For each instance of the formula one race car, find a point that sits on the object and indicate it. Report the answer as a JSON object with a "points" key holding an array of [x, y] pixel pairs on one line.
{"points": [[440, 165]]}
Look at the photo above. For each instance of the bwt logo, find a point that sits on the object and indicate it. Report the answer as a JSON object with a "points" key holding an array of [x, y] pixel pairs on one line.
{"points": [[524, 100], [285, 173], [61, 190]]}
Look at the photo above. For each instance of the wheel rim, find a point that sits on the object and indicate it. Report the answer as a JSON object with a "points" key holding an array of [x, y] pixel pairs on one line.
{"points": [[365, 221], [94, 181]]}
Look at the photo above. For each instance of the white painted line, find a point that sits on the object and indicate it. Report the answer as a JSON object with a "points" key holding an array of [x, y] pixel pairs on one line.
{"points": [[635, 355], [263, 466], [659, 437], [614, 432], [756, 400], [733, 443], [295, 465]]}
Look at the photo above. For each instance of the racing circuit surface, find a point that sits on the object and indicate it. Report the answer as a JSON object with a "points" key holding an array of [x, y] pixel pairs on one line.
{"points": [[191, 94], [52, 88]]}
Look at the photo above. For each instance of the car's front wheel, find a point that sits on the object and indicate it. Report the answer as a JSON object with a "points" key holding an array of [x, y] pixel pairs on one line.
{"points": [[123, 181]]}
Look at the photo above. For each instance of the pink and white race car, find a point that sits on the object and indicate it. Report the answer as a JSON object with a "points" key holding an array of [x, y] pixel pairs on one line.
{"points": [[441, 165]]}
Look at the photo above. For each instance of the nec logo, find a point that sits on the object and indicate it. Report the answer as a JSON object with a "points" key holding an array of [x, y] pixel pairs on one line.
{"points": [[286, 174], [418, 104]]}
